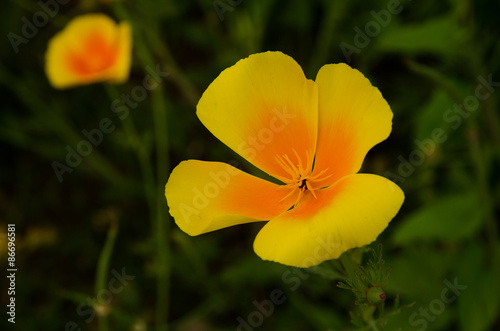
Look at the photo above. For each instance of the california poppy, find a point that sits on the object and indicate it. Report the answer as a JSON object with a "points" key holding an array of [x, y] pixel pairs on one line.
{"points": [[92, 48], [312, 137]]}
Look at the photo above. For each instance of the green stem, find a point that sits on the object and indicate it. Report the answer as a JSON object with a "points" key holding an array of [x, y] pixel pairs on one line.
{"points": [[102, 270], [162, 226], [141, 151], [160, 119], [438, 78], [348, 264], [149, 40], [373, 325], [334, 12], [367, 313], [188, 89]]}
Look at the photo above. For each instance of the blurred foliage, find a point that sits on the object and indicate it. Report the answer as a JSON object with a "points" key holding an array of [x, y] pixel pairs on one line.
{"points": [[427, 58]]}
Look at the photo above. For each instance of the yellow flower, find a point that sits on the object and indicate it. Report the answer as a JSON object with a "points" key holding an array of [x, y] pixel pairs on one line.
{"points": [[92, 48], [312, 136]]}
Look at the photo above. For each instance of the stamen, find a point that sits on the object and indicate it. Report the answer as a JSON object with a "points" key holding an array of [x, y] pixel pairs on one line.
{"points": [[301, 170], [300, 177], [281, 187], [284, 166], [316, 177], [309, 159], [289, 194], [298, 199], [311, 189], [292, 166]]}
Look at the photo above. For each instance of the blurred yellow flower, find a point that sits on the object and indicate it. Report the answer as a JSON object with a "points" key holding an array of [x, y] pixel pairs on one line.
{"points": [[92, 48], [312, 136]]}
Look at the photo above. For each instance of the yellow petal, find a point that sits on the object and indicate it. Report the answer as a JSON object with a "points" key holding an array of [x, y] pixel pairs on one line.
{"points": [[350, 213], [353, 117], [90, 49], [121, 69], [207, 196], [263, 107]]}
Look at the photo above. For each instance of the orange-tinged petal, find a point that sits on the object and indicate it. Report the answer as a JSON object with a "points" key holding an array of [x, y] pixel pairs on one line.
{"points": [[207, 196], [353, 117], [350, 213], [90, 49], [263, 107]]}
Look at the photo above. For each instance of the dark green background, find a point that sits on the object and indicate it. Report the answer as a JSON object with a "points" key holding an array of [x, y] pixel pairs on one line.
{"points": [[424, 61]]}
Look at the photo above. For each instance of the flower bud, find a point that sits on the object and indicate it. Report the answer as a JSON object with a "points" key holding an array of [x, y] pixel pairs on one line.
{"points": [[375, 295]]}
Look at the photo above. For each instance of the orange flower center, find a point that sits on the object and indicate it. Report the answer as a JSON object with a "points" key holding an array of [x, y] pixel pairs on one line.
{"points": [[300, 181], [95, 55]]}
